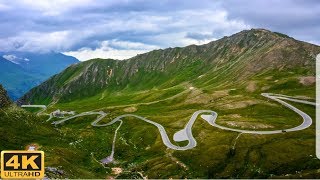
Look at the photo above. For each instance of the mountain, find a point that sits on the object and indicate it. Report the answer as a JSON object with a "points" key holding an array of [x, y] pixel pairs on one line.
{"points": [[4, 99], [168, 86], [15, 79], [19, 72], [229, 61]]}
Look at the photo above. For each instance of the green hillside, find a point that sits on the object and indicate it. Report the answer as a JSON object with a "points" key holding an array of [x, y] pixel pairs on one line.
{"points": [[167, 86], [4, 99], [229, 62]]}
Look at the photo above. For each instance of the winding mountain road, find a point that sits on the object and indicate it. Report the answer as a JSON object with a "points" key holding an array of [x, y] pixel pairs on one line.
{"points": [[307, 121], [186, 133]]}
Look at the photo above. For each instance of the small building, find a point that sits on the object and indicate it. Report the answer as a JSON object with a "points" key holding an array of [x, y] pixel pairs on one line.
{"points": [[57, 113]]}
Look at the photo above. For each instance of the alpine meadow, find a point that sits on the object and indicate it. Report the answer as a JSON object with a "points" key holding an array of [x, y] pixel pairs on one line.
{"points": [[238, 107]]}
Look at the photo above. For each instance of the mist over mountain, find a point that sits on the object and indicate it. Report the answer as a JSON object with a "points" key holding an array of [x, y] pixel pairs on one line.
{"points": [[20, 71]]}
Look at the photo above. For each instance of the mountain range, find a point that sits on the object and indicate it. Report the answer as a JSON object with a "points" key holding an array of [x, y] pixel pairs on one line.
{"points": [[229, 62], [167, 86], [20, 71]]}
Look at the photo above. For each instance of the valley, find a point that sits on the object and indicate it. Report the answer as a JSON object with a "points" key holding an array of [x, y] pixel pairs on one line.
{"points": [[139, 144], [19, 71], [186, 133], [256, 82]]}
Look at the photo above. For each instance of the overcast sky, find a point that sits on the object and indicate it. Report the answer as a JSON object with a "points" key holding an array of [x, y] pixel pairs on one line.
{"points": [[120, 29]]}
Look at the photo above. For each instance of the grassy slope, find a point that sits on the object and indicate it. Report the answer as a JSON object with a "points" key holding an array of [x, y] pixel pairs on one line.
{"points": [[139, 147], [229, 82]]}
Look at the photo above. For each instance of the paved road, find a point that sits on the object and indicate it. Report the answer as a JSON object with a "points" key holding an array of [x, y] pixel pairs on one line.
{"points": [[186, 133], [110, 158], [207, 115], [307, 121], [43, 107], [192, 142]]}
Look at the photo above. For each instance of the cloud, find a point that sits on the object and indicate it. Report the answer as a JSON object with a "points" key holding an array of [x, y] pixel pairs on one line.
{"points": [[116, 44], [199, 36], [4, 7], [165, 30], [56, 7], [37, 42], [126, 32], [297, 18], [134, 26], [113, 49]]}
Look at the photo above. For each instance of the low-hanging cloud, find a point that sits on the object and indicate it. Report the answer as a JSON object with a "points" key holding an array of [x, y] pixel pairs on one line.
{"points": [[113, 49]]}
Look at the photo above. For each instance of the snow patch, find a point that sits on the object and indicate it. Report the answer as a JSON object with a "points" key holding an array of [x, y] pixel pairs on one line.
{"points": [[11, 58], [15, 59]]}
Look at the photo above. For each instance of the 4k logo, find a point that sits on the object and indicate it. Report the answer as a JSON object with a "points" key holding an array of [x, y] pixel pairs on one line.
{"points": [[22, 164]]}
